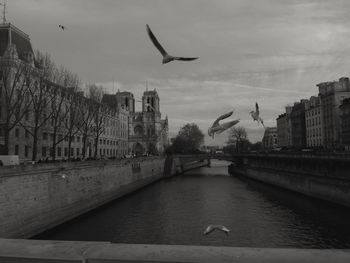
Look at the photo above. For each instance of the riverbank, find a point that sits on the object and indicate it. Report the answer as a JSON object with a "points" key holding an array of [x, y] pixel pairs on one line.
{"points": [[323, 177], [38, 197]]}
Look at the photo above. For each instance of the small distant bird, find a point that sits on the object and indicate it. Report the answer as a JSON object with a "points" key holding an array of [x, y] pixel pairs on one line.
{"points": [[218, 128], [211, 228], [62, 27], [166, 57], [256, 115]]}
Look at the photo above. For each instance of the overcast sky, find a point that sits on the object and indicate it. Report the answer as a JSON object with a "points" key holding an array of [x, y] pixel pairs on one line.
{"points": [[269, 51]]}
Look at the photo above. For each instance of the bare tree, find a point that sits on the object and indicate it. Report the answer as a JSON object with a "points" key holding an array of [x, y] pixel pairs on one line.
{"points": [[39, 90], [86, 119], [99, 114], [73, 121], [14, 106], [237, 137], [62, 103]]}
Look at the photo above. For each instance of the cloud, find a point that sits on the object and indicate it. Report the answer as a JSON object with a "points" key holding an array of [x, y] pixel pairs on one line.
{"points": [[269, 51]]}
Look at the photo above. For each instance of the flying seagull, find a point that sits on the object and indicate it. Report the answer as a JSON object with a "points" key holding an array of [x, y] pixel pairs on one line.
{"points": [[166, 57], [62, 27], [255, 115], [211, 228], [219, 128]]}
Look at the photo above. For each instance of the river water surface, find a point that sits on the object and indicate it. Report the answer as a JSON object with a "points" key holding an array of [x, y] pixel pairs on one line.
{"points": [[177, 210]]}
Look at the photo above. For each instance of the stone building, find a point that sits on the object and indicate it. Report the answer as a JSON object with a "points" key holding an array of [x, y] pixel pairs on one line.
{"points": [[345, 123], [270, 138], [282, 130], [332, 95], [314, 122], [148, 133], [52, 137], [298, 128]]}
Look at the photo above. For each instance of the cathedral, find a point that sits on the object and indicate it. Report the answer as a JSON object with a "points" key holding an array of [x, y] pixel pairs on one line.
{"points": [[148, 133]]}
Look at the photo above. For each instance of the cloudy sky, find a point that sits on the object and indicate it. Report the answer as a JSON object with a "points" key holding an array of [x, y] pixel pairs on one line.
{"points": [[269, 51]]}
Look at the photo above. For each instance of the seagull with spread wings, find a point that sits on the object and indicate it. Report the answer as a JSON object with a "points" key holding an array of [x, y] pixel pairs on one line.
{"points": [[256, 115], [211, 228], [166, 57], [218, 128]]}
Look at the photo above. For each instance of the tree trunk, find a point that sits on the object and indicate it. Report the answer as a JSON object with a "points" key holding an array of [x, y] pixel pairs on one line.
{"points": [[54, 147], [7, 141], [35, 144], [84, 145], [69, 145], [96, 145]]}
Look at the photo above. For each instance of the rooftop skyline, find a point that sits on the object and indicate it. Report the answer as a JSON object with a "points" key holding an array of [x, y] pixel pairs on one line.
{"points": [[273, 52]]}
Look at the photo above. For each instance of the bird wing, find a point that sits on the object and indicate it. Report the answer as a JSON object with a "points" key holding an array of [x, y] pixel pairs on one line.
{"points": [[256, 108], [155, 41], [222, 117], [208, 230], [223, 228], [185, 59]]}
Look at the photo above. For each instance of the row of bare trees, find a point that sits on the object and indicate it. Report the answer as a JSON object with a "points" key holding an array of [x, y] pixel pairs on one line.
{"points": [[47, 98]]}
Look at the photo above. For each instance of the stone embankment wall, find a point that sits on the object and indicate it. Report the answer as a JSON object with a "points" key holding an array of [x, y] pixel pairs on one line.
{"points": [[35, 198], [326, 178], [102, 252]]}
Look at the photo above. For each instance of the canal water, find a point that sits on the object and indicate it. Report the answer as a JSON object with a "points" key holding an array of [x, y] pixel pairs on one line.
{"points": [[177, 210]]}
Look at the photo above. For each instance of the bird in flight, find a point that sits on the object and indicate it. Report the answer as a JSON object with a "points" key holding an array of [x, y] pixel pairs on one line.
{"points": [[218, 128], [256, 115], [62, 27], [166, 57], [211, 228]]}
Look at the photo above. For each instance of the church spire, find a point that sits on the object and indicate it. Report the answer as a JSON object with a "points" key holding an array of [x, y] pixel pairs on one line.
{"points": [[3, 12]]}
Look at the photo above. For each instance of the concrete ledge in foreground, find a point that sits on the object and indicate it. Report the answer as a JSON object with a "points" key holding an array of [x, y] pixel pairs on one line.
{"points": [[19, 250]]}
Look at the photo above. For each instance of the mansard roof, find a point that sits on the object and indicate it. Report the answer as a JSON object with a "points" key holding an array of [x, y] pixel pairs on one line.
{"points": [[9, 34]]}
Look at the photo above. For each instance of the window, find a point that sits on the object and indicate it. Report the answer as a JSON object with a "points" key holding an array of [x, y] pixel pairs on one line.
{"points": [[17, 132], [65, 151], [59, 151], [51, 136], [27, 134], [43, 151], [16, 150], [26, 151], [77, 151], [44, 136]]}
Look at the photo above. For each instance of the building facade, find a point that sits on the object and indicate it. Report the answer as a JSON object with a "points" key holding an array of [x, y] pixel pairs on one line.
{"points": [[345, 123], [314, 122], [332, 95], [270, 138], [148, 133], [298, 128], [282, 125], [43, 120]]}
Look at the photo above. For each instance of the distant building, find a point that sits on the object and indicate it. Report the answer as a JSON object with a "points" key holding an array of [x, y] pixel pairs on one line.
{"points": [[314, 122], [115, 137], [148, 133], [87, 127], [332, 95], [345, 123], [298, 124], [270, 138], [282, 130]]}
